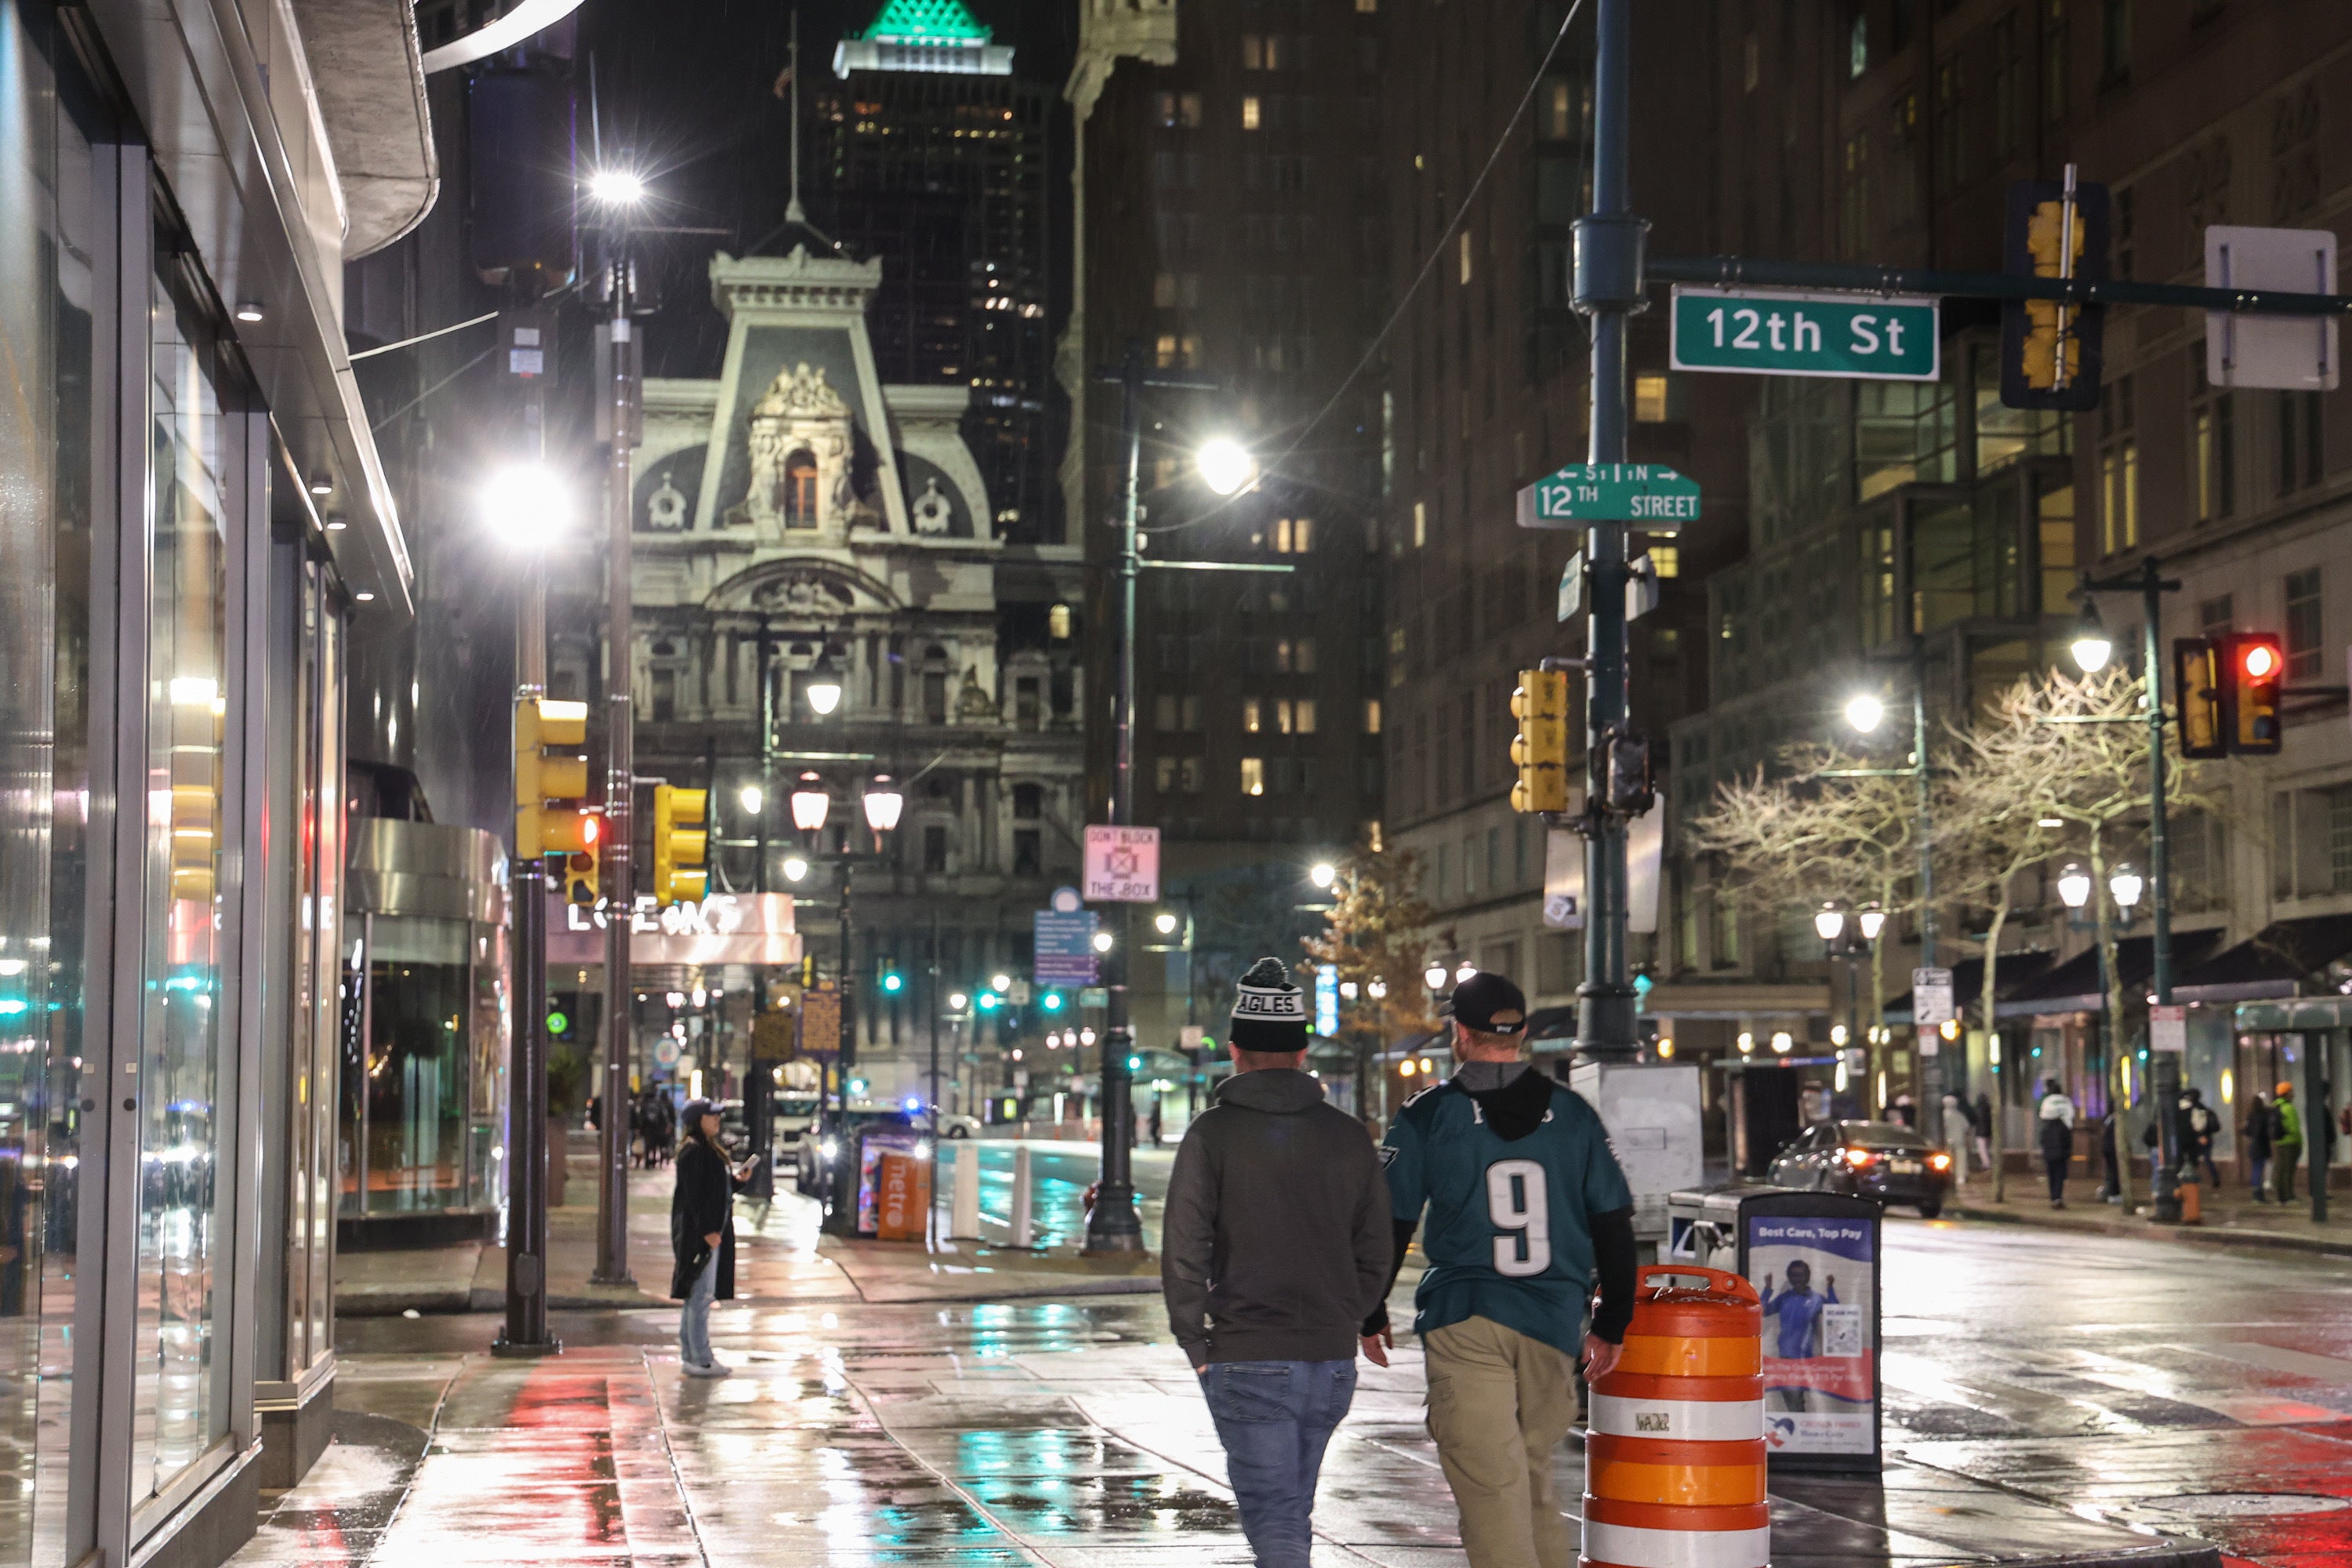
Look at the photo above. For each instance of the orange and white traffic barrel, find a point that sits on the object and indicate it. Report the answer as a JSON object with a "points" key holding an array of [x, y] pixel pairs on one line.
{"points": [[1673, 1456]]}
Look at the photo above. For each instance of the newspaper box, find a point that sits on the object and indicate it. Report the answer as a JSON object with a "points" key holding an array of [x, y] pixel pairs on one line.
{"points": [[1814, 1259], [904, 1200]]}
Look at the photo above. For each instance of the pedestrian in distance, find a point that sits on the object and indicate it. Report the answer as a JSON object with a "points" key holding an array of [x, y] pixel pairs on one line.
{"points": [[702, 1235], [2111, 1158], [2286, 1139], [2257, 1134], [1275, 1246], [1982, 1121], [1526, 1207], [2200, 1126], [2055, 1122]]}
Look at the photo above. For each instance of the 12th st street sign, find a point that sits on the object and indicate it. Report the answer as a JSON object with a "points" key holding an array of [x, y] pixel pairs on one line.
{"points": [[1651, 494], [1867, 336]]}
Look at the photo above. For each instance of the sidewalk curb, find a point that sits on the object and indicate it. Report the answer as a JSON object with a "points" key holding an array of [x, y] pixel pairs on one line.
{"points": [[2164, 1554], [2190, 1234]]}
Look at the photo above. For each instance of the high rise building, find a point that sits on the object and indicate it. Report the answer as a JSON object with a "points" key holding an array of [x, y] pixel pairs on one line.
{"points": [[932, 154], [1229, 229]]}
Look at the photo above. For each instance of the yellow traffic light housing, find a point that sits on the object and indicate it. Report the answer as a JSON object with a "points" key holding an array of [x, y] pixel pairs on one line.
{"points": [[680, 844], [2197, 690], [552, 813], [2049, 349], [1540, 751]]}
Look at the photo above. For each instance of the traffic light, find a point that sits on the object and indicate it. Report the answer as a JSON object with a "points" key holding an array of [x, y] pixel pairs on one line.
{"points": [[2049, 349], [2195, 681], [892, 982], [2254, 674], [679, 852], [552, 816], [1540, 751]]}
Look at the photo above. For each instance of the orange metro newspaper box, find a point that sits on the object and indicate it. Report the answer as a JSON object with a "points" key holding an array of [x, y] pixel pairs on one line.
{"points": [[903, 1196]]}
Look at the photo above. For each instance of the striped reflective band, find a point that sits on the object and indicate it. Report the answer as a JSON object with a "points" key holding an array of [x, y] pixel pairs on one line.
{"points": [[1679, 1357], [1687, 1420], [1627, 1546]]}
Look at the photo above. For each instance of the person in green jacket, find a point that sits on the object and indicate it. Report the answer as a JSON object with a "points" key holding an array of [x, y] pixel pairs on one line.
{"points": [[2286, 1140]]}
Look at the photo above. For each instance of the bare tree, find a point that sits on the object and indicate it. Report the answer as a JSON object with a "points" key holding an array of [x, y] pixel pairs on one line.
{"points": [[1830, 826], [1374, 938]]}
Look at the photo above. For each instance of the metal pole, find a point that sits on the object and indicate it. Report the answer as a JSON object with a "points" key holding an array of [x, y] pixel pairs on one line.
{"points": [[1931, 1067], [620, 786], [932, 1002], [2164, 1067], [1608, 245], [1112, 1225]]}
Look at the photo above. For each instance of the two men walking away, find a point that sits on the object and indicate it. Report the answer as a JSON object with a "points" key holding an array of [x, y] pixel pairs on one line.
{"points": [[1276, 1244], [1526, 1204]]}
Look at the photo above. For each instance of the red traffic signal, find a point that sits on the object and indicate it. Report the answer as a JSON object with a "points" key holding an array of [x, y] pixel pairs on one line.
{"points": [[2252, 678]]}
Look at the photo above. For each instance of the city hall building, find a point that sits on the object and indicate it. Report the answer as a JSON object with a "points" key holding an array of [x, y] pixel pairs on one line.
{"points": [[193, 530]]}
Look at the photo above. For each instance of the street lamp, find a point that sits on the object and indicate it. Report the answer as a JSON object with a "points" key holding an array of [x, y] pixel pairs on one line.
{"points": [[883, 804], [753, 800], [1323, 874], [1873, 919], [526, 505], [1377, 990], [794, 867], [1225, 465], [2126, 885], [810, 804], [1462, 972], [999, 983], [1864, 713], [1435, 975], [617, 187], [1164, 922], [1103, 942], [1829, 921], [2073, 886], [824, 687], [2091, 647]]}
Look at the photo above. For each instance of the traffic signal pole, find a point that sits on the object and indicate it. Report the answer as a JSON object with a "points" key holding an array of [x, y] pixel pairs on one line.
{"points": [[1609, 254], [620, 785]]}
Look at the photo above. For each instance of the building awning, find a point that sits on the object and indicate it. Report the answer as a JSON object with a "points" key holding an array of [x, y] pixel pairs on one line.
{"points": [[2073, 986], [2302, 1013], [2017, 969], [2285, 958], [1737, 999]]}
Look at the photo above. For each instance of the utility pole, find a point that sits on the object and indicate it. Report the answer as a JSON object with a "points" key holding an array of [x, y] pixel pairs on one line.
{"points": [[620, 784], [1931, 1067], [1610, 241]]}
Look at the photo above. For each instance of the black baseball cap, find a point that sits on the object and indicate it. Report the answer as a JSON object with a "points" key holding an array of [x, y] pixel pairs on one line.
{"points": [[1489, 1003]]}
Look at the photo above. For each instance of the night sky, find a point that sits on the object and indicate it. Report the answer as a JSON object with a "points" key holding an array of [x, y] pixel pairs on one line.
{"points": [[690, 86]]}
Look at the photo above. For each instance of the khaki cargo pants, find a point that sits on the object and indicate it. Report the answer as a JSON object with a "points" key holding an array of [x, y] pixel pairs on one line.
{"points": [[1500, 1404]]}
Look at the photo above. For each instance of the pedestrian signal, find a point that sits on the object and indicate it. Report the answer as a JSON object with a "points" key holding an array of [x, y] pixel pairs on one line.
{"points": [[2197, 685], [1540, 751], [2253, 679], [2049, 349], [680, 845]]}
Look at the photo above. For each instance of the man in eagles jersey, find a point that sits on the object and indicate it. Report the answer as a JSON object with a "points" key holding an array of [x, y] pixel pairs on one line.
{"points": [[1526, 1207]]}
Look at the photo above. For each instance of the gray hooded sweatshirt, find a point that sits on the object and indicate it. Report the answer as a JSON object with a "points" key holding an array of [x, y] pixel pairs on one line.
{"points": [[1277, 1235]]}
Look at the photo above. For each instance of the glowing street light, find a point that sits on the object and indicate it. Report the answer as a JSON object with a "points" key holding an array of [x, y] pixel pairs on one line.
{"points": [[1323, 874], [2092, 648], [999, 983], [795, 868], [824, 687], [883, 804], [1164, 922], [1225, 465], [753, 800], [2126, 885], [617, 187], [1864, 713], [1102, 941], [810, 804], [958, 1000], [1463, 974], [2075, 885], [1435, 975], [526, 505], [1872, 921], [1829, 922]]}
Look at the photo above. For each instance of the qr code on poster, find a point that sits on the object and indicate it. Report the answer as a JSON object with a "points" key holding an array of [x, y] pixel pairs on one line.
{"points": [[1842, 1331]]}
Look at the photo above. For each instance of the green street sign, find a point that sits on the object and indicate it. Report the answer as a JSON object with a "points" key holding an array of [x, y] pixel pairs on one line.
{"points": [[1866, 336], [1651, 494]]}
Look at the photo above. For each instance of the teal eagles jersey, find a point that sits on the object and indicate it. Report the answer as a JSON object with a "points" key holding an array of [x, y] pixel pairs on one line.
{"points": [[1507, 1236]]}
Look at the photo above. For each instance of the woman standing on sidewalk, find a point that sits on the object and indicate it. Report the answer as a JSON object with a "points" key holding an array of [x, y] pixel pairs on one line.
{"points": [[702, 1235]]}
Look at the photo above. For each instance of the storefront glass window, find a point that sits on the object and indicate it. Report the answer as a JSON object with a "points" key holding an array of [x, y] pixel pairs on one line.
{"points": [[182, 1108], [46, 241]]}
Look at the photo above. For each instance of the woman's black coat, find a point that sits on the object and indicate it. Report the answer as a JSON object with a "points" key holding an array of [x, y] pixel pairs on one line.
{"points": [[703, 1201]]}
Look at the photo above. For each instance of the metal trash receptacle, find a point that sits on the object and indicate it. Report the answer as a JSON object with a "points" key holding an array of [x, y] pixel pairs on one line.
{"points": [[1813, 1259]]}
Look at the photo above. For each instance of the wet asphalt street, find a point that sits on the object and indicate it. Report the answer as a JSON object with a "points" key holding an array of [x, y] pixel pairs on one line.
{"points": [[2047, 1395]]}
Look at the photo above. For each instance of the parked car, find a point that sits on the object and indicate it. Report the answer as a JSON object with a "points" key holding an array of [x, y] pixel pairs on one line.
{"points": [[822, 1140], [952, 1125], [1882, 1160], [791, 1114]]}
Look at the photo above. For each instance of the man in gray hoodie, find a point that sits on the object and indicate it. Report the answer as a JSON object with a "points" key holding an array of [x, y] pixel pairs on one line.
{"points": [[1277, 1245]]}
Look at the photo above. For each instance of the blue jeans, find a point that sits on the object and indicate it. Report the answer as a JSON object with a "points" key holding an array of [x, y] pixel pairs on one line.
{"points": [[1275, 1417], [693, 1318]]}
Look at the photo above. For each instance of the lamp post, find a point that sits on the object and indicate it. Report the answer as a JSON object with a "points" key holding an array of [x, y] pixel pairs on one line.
{"points": [[2092, 649], [1865, 712], [618, 190], [1112, 1225]]}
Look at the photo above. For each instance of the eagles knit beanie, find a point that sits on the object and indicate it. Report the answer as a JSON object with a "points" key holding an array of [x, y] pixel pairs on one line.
{"points": [[1269, 1012]]}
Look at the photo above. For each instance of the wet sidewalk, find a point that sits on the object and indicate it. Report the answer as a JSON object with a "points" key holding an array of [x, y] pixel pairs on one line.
{"points": [[2231, 1217], [1035, 1433]]}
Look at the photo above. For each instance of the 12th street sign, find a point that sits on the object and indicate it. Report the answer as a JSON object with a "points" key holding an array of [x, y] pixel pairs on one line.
{"points": [[1651, 494], [1867, 336]]}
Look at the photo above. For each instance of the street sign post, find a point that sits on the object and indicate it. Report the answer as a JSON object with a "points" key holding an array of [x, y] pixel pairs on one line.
{"points": [[1122, 865], [1759, 332], [1651, 495], [1931, 997]]}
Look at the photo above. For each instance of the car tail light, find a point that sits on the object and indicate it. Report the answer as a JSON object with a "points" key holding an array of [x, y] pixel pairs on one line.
{"points": [[1939, 1160], [1860, 1159]]}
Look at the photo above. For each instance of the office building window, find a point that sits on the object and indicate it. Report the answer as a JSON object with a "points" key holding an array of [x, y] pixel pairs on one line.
{"points": [[1667, 559], [1252, 115], [1372, 716], [1252, 775], [2306, 622], [935, 848], [2212, 448], [2300, 450], [1650, 400], [1252, 716]]}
